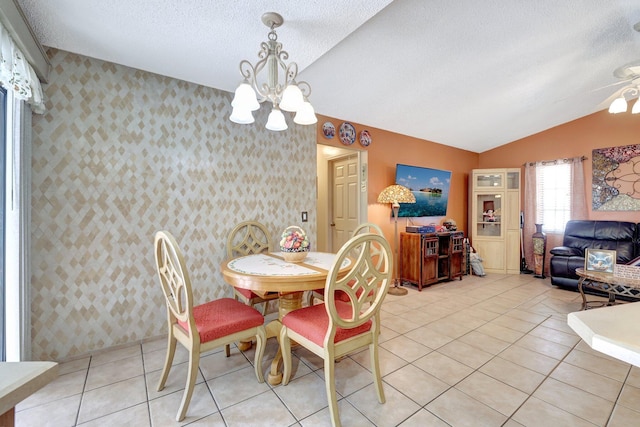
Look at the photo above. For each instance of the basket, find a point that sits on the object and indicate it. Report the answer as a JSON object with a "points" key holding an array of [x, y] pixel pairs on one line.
{"points": [[294, 256], [294, 244]]}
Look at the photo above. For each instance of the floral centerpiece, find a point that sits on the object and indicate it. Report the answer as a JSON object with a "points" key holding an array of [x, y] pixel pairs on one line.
{"points": [[294, 244]]}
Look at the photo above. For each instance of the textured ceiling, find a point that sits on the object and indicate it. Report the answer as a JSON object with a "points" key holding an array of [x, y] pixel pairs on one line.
{"points": [[470, 74]]}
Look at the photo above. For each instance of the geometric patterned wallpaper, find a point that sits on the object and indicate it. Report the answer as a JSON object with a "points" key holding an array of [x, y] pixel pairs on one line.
{"points": [[121, 153]]}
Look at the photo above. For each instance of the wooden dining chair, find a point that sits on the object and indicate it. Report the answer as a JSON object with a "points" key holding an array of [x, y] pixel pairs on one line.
{"points": [[336, 328], [246, 238], [202, 327], [365, 227]]}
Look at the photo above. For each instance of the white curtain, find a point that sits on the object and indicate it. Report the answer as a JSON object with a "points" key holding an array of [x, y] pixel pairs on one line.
{"points": [[17, 75], [578, 204]]}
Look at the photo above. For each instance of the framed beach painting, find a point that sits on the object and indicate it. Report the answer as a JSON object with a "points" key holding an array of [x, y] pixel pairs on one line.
{"points": [[430, 188]]}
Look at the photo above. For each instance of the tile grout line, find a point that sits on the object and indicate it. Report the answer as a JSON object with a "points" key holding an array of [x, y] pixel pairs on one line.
{"points": [[615, 403], [146, 389], [84, 386]]}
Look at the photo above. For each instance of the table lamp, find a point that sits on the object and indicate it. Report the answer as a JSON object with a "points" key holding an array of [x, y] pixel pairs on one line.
{"points": [[396, 194]]}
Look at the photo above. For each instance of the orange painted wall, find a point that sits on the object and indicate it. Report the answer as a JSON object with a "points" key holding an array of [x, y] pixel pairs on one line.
{"points": [[389, 148], [576, 138]]}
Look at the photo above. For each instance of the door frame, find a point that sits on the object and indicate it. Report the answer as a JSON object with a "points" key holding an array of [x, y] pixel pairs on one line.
{"points": [[325, 155]]}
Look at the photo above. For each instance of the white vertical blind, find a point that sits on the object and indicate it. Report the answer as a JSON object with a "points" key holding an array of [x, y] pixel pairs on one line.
{"points": [[553, 198]]}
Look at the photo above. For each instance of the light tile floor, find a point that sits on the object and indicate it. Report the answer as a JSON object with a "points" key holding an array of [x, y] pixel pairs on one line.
{"points": [[491, 351]]}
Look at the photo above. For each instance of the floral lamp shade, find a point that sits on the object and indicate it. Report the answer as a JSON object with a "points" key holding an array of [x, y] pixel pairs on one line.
{"points": [[396, 194]]}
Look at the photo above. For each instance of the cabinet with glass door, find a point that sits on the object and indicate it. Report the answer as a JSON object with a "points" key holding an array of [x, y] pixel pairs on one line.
{"points": [[494, 217]]}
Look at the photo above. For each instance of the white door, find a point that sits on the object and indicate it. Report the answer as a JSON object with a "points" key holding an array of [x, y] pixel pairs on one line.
{"points": [[344, 201]]}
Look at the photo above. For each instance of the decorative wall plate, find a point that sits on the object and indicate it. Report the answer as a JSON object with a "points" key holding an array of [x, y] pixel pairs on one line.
{"points": [[347, 133], [365, 138], [329, 130]]}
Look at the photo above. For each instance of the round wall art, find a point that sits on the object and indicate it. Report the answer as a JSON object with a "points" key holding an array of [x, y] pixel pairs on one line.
{"points": [[328, 130], [365, 138], [347, 133]]}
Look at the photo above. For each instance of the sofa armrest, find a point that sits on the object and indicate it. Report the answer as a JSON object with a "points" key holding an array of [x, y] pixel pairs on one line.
{"points": [[566, 251]]}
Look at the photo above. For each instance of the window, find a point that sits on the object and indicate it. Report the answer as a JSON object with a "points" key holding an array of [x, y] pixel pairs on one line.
{"points": [[553, 196], [3, 168], [17, 168]]}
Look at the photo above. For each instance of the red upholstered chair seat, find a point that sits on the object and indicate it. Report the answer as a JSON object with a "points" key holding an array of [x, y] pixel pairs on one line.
{"points": [[251, 298], [313, 322], [247, 293], [219, 318], [340, 294]]}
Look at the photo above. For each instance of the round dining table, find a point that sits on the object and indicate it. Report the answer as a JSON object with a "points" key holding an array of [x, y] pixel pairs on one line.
{"points": [[269, 272]]}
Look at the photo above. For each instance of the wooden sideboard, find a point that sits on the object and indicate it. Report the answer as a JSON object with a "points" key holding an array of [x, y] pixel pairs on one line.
{"points": [[427, 258]]}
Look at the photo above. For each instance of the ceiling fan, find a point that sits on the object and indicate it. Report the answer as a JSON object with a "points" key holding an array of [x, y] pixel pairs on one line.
{"points": [[628, 74]]}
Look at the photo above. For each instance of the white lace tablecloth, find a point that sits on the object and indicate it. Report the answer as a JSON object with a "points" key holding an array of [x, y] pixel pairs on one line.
{"points": [[266, 265]]}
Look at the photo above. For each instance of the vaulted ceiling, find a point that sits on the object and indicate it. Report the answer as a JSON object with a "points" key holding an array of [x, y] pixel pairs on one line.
{"points": [[469, 74]]}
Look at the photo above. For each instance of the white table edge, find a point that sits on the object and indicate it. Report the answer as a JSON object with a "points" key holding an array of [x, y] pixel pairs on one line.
{"points": [[610, 330], [19, 380]]}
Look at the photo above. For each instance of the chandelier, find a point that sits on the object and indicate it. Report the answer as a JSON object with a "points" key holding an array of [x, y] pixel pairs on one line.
{"points": [[285, 95]]}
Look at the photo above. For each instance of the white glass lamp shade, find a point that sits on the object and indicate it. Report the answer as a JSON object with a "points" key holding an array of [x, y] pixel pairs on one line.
{"points": [[636, 107], [292, 98], [306, 115], [241, 116], [245, 98], [619, 105], [276, 121]]}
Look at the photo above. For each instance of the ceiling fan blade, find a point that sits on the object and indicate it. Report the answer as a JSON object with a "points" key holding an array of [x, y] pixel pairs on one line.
{"points": [[630, 95], [628, 74], [628, 71], [607, 102], [621, 82], [598, 89]]}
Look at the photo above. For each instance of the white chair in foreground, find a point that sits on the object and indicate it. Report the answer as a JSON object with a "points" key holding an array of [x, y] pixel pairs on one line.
{"points": [[365, 227], [203, 327], [336, 328]]}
